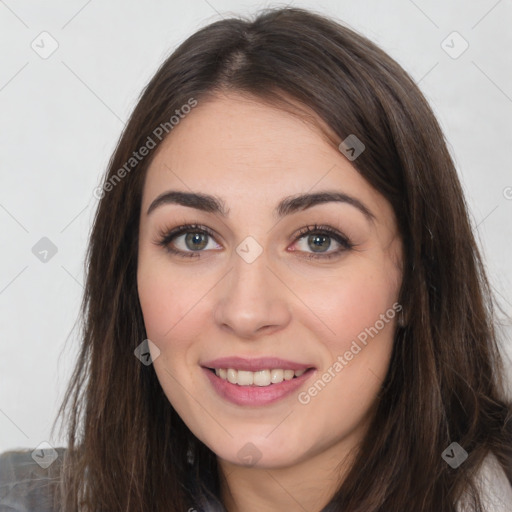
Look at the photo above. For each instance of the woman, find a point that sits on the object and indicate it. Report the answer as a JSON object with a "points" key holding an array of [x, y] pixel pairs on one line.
{"points": [[283, 244]]}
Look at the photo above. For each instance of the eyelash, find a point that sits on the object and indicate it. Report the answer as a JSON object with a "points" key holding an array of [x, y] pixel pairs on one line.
{"points": [[167, 235]]}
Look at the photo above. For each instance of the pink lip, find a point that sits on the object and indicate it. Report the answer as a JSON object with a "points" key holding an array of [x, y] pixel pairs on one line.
{"points": [[256, 364], [256, 395]]}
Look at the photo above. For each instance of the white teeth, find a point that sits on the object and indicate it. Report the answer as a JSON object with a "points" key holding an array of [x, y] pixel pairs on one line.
{"points": [[232, 376], [245, 378], [288, 374], [260, 378], [276, 376]]}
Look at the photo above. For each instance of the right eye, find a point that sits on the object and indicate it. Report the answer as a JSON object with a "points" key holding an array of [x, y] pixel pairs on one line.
{"points": [[194, 239]]}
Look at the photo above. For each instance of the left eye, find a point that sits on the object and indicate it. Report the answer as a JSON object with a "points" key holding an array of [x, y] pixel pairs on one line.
{"points": [[319, 243], [319, 239]]}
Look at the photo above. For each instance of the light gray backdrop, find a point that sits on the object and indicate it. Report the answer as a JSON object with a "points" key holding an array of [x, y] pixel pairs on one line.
{"points": [[70, 74]]}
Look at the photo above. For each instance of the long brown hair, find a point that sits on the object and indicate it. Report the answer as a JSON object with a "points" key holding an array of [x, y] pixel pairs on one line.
{"points": [[128, 449]]}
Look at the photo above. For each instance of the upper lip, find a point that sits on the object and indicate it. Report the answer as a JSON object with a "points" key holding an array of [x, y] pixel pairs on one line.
{"points": [[255, 364]]}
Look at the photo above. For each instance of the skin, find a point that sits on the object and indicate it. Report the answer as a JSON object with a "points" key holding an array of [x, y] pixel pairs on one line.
{"points": [[282, 304]]}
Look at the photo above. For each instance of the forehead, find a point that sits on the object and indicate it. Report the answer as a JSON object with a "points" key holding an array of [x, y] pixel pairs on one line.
{"points": [[240, 148]]}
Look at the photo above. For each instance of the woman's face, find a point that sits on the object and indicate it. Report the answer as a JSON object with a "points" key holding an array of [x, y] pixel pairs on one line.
{"points": [[250, 293]]}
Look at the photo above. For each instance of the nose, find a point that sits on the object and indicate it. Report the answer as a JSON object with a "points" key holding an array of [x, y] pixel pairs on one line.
{"points": [[252, 301]]}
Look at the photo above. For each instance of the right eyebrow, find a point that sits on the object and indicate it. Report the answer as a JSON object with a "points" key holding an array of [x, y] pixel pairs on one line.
{"points": [[205, 202]]}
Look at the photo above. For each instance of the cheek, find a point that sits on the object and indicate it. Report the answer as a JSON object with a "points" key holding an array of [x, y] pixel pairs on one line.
{"points": [[351, 304], [357, 348], [157, 304], [172, 316], [157, 289], [172, 307]]}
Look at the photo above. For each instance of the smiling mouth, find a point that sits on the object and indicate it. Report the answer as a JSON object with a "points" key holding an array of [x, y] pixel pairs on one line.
{"points": [[261, 378]]}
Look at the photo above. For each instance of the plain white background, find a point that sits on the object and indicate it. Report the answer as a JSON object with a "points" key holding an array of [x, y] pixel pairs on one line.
{"points": [[61, 117]]}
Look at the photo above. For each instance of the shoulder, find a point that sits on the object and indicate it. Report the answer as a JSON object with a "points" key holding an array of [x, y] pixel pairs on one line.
{"points": [[27, 479], [496, 489], [494, 486]]}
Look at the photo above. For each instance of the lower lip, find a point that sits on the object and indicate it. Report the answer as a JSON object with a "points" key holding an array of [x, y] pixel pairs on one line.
{"points": [[256, 395]]}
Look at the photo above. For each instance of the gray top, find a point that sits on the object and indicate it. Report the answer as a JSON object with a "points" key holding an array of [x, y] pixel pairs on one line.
{"points": [[26, 477], [29, 478]]}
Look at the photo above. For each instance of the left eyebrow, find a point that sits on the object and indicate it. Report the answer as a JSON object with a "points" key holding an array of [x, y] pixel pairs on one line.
{"points": [[300, 202], [286, 206]]}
